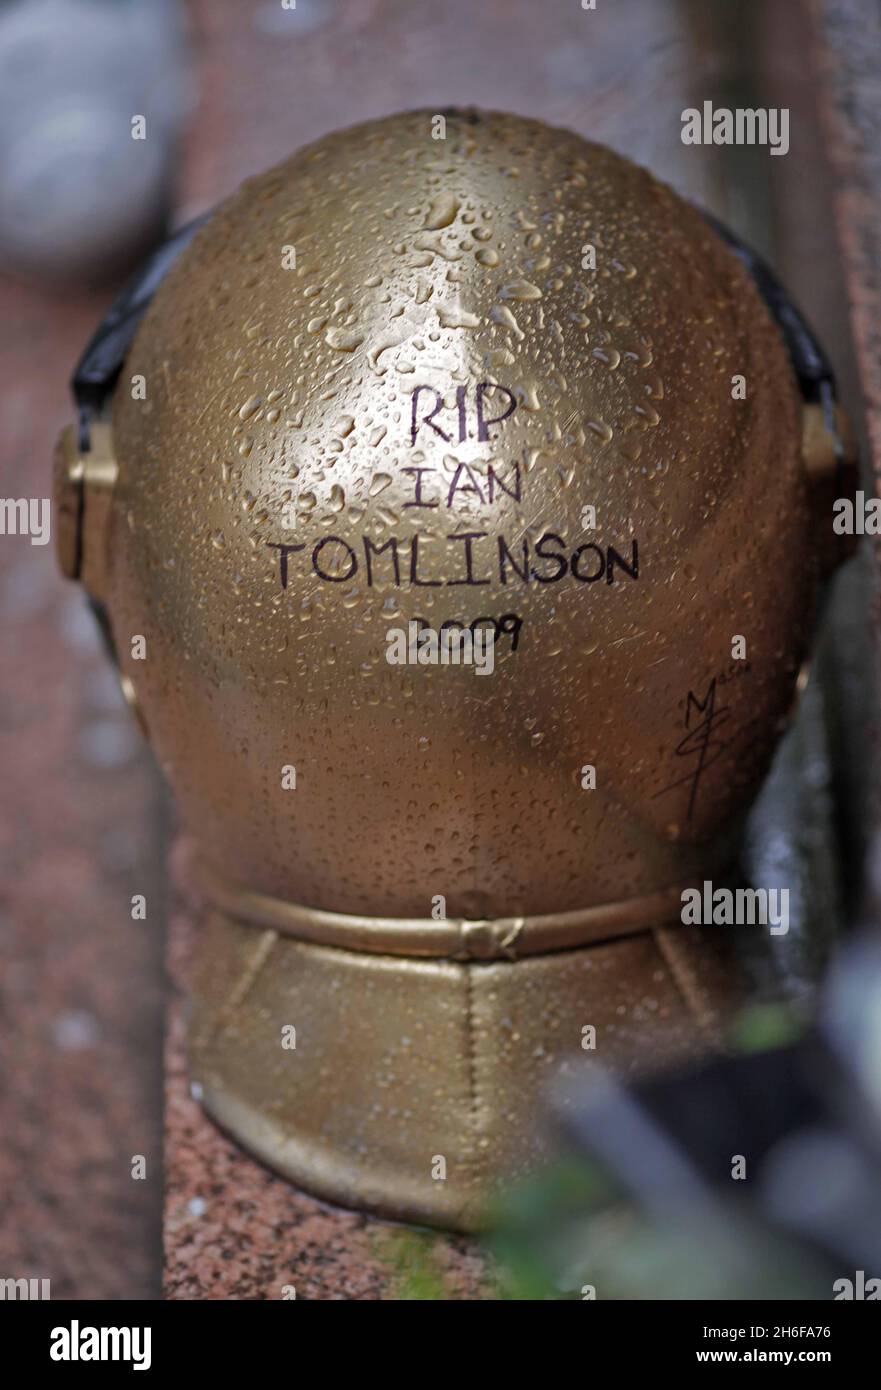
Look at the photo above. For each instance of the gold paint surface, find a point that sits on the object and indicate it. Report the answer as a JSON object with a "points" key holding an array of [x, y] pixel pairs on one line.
{"points": [[399, 1061], [282, 358], [279, 412], [495, 938], [83, 486]]}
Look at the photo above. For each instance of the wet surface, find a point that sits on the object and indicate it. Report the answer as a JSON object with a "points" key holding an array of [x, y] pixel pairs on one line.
{"points": [[83, 826]]}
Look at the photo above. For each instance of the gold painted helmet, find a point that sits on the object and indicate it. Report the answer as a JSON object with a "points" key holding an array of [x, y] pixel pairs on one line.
{"points": [[441, 374]]}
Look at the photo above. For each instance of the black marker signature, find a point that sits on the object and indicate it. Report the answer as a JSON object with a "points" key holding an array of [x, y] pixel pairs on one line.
{"points": [[701, 741]]}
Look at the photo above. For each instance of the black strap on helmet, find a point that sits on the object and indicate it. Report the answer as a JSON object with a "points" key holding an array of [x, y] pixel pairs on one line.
{"points": [[808, 359], [809, 362], [97, 371]]}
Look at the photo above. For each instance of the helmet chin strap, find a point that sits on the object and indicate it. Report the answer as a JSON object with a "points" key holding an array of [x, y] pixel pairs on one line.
{"points": [[460, 939]]}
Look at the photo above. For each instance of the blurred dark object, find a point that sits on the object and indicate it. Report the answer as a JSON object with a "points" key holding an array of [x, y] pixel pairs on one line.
{"points": [[756, 1176], [84, 187]]}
